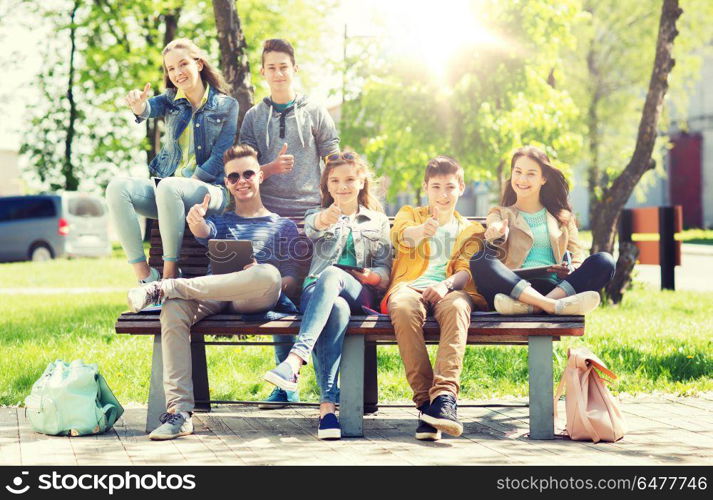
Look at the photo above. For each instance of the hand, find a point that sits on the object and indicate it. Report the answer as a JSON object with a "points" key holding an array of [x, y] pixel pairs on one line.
{"points": [[137, 99], [431, 225], [330, 216], [435, 293], [497, 230], [196, 214], [561, 269], [368, 277], [284, 163]]}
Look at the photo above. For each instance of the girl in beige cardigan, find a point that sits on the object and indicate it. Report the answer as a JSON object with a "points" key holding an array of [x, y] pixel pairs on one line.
{"points": [[535, 227]]}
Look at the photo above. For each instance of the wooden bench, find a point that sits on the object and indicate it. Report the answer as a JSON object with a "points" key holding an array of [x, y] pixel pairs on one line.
{"points": [[358, 380]]}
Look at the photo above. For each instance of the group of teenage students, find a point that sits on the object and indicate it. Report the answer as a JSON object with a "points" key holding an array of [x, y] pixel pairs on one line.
{"points": [[287, 163]]}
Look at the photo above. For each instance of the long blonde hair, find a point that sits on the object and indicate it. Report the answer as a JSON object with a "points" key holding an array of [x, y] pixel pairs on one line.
{"points": [[209, 74], [365, 198]]}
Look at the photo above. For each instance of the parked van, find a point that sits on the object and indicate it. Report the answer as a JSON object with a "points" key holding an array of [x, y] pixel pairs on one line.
{"points": [[43, 227]]}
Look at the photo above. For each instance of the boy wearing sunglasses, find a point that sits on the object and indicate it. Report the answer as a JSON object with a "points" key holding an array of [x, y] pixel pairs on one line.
{"points": [[291, 135], [254, 289]]}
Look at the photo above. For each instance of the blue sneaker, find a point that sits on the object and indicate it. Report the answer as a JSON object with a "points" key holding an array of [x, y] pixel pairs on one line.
{"points": [[283, 377], [329, 427], [279, 396]]}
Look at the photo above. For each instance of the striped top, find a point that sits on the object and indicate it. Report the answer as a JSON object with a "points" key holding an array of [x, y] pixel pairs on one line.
{"points": [[275, 239], [541, 252]]}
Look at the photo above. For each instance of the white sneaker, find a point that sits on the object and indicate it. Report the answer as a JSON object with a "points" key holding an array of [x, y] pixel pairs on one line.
{"points": [[174, 425], [578, 304], [505, 304], [144, 296]]}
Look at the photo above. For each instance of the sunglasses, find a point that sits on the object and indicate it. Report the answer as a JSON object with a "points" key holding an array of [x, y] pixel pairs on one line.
{"points": [[348, 156], [234, 177]]}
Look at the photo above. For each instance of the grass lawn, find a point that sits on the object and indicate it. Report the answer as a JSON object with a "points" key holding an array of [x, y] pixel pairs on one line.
{"points": [[654, 341]]}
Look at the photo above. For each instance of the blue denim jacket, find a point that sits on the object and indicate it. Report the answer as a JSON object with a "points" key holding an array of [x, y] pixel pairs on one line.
{"points": [[215, 126], [370, 232]]}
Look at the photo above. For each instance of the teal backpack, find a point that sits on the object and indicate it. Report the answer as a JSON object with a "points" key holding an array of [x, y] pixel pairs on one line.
{"points": [[72, 399]]}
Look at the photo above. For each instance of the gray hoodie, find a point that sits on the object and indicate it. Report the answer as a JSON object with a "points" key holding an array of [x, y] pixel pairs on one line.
{"points": [[310, 135]]}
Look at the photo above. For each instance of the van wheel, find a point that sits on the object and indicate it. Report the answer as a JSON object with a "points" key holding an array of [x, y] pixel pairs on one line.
{"points": [[40, 253]]}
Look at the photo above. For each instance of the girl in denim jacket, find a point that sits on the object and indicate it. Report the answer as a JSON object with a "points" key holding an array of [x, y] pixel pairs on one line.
{"points": [[350, 230], [201, 124]]}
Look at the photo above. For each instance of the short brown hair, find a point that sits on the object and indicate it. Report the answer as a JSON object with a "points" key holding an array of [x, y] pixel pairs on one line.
{"points": [[239, 151], [278, 45], [443, 165]]}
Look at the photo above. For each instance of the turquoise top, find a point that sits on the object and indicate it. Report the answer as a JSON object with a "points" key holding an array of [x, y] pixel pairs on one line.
{"points": [[348, 258], [441, 246], [281, 107], [541, 251]]}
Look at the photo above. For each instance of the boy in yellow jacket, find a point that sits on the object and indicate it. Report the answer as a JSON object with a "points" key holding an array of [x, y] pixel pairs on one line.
{"points": [[431, 273]]}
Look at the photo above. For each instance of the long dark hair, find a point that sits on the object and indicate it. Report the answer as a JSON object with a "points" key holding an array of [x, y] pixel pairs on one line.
{"points": [[365, 197], [554, 193], [209, 74]]}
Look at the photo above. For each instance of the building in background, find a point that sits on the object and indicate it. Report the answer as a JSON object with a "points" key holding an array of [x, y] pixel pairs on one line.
{"points": [[9, 173]]}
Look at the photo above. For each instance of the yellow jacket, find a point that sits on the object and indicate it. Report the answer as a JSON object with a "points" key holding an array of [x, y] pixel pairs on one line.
{"points": [[411, 262]]}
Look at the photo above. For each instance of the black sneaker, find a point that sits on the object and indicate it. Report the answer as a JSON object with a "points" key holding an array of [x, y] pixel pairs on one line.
{"points": [[443, 415], [424, 431]]}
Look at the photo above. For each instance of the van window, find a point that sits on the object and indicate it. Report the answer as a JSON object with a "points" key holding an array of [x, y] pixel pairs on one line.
{"points": [[85, 207], [26, 208]]}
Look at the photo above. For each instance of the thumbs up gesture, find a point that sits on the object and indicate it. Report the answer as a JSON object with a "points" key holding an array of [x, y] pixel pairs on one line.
{"points": [[431, 225], [497, 230], [330, 216], [197, 212], [284, 163], [136, 99]]}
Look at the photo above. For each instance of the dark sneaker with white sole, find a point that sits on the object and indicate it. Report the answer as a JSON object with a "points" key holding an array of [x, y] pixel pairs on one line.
{"points": [[144, 296], [173, 426], [277, 396], [424, 431], [443, 415], [283, 377], [329, 427]]}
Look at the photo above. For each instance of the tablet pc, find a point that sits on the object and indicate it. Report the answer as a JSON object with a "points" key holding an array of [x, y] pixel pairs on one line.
{"points": [[228, 256], [532, 272], [349, 268]]}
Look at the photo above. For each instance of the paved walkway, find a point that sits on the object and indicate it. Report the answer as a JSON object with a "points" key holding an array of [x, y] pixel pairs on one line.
{"points": [[693, 274], [663, 429]]}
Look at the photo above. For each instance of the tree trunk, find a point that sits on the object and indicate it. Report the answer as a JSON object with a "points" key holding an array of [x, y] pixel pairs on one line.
{"points": [[71, 182], [614, 198], [628, 253], [233, 57]]}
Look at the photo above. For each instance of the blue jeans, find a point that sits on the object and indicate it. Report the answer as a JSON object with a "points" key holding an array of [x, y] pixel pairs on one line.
{"points": [[491, 276], [169, 202], [326, 307]]}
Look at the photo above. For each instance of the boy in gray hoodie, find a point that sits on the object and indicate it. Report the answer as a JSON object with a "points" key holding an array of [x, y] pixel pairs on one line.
{"points": [[292, 136]]}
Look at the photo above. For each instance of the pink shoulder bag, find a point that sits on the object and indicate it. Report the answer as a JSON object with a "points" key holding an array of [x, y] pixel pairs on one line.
{"points": [[592, 413]]}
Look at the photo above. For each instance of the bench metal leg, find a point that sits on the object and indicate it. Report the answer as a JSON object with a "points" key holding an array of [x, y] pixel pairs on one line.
{"points": [[541, 393], [157, 398], [371, 386], [351, 395], [201, 391]]}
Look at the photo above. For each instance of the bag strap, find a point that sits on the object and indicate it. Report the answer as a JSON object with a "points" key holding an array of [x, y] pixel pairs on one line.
{"points": [[110, 412]]}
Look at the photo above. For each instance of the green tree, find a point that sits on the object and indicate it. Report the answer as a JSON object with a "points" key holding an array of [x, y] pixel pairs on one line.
{"points": [[492, 99]]}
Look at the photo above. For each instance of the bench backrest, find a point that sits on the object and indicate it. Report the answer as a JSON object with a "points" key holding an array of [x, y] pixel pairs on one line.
{"points": [[194, 260]]}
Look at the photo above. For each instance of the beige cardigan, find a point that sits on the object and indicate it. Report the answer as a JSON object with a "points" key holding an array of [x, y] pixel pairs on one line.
{"points": [[520, 238]]}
